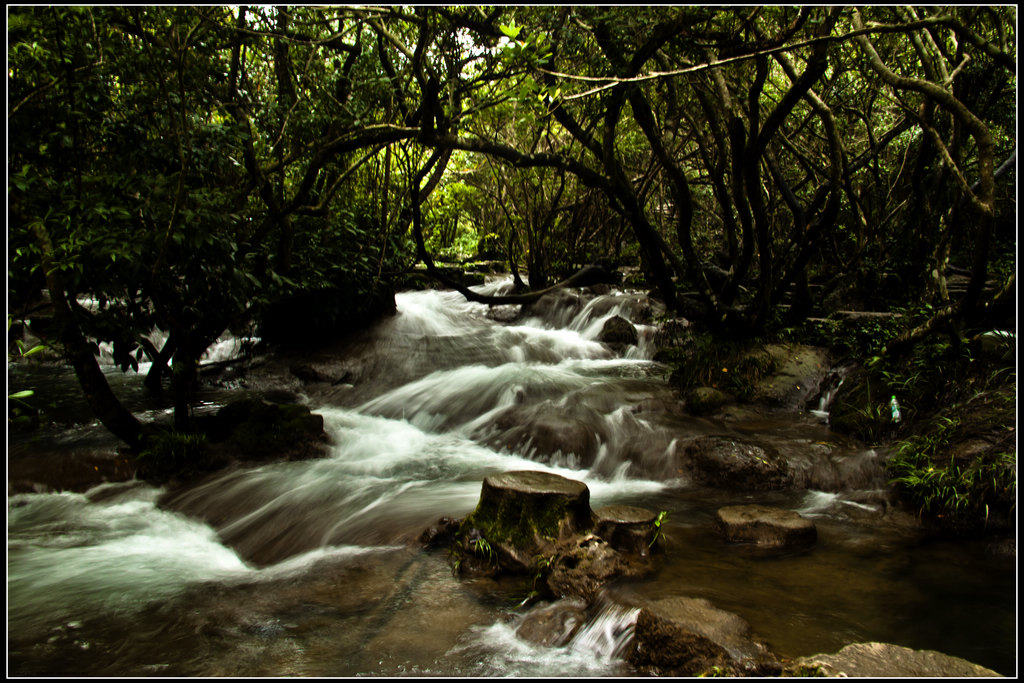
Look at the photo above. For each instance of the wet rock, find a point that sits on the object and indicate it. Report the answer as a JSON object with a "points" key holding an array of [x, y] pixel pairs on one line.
{"points": [[765, 525], [506, 313], [691, 637], [440, 535], [546, 433], [885, 660], [319, 372], [553, 624], [252, 429], [705, 400], [618, 333], [627, 529], [799, 371], [583, 566], [728, 463]]}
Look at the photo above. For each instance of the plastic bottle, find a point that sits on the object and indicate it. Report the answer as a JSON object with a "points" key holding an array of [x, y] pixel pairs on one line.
{"points": [[895, 406]]}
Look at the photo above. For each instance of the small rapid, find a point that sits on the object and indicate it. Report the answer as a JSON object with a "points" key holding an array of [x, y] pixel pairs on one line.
{"points": [[312, 568]]}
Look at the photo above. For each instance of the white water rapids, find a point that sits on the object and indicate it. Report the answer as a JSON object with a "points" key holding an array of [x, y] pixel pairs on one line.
{"points": [[312, 568]]}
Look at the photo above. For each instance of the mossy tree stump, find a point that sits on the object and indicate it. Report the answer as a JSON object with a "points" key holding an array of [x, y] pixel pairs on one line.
{"points": [[522, 515]]}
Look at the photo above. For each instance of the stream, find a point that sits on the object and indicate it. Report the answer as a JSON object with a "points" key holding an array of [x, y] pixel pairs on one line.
{"points": [[313, 568]]}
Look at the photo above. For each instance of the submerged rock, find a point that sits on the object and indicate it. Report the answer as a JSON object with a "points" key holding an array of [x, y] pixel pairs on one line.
{"points": [[765, 525], [553, 624], [885, 660]]}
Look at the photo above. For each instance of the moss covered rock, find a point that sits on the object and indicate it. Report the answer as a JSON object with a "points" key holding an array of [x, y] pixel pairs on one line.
{"points": [[705, 400], [252, 429]]}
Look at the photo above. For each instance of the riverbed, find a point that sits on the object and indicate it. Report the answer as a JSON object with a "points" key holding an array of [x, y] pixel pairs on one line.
{"points": [[314, 568]]}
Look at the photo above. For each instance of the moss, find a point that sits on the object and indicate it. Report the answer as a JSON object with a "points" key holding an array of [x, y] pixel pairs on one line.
{"points": [[518, 521], [259, 430], [168, 453]]}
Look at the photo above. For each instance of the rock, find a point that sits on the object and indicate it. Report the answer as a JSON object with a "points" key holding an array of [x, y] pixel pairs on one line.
{"points": [[554, 624], [625, 528], [505, 313], [797, 377], [705, 400], [618, 333], [690, 637], [521, 515], [765, 525], [547, 432], [582, 566], [727, 463], [319, 372], [252, 429], [885, 660], [441, 534]]}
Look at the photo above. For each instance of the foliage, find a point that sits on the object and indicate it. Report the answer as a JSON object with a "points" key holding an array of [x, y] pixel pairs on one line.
{"points": [[657, 524], [203, 168], [722, 363], [958, 494], [170, 451]]}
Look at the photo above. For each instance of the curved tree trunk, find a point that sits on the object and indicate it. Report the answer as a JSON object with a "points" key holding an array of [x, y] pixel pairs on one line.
{"points": [[104, 404]]}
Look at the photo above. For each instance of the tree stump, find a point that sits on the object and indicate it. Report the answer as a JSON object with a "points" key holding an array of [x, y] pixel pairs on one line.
{"points": [[522, 514], [627, 529]]}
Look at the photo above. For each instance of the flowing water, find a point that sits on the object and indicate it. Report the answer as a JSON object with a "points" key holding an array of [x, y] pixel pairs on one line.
{"points": [[312, 568]]}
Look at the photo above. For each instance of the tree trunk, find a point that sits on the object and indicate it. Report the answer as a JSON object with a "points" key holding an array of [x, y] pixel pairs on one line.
{"points": [[101, 399]]}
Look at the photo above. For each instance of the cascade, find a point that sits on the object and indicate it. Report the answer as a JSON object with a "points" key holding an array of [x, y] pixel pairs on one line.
{"points": [[313, 567]]}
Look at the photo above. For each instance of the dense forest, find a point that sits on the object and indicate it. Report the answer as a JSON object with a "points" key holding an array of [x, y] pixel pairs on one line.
{"points": [[202, 169]]}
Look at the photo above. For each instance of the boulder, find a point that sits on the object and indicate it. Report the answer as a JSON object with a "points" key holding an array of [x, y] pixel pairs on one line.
{"points": [[252, 429], [764, 525], [731, 464], [618, 333], [691, 637], [884, 660], [799, 371], [705, 400]]}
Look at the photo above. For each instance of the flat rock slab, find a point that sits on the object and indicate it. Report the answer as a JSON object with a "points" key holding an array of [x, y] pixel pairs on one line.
{"points": [[765, 525], [893, 661]]}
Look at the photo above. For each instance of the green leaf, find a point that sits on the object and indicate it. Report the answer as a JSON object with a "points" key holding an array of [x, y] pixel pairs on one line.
{"points": [[21, 394], [511, 30]]}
